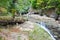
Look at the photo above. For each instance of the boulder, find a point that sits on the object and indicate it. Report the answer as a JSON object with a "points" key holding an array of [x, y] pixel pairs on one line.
{"points": [[26, 31], [51, 23]]}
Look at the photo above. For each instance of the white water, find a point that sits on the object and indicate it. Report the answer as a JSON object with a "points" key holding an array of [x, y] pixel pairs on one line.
{"points": [[42, 25]]}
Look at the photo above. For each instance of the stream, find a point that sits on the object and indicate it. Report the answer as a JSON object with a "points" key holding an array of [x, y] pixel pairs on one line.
{"points": [[42, 25]]}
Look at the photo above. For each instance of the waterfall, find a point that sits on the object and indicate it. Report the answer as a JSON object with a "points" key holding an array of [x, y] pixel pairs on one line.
{"points": [[42, 25]]}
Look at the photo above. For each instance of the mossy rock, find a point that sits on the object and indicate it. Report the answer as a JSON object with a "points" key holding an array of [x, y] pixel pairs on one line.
{"points": [[5, 18], [39, 34]]}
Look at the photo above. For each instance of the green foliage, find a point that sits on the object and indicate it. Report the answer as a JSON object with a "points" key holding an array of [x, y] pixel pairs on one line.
{"points": [[23, 5], [58, 11], [3, 10], [46, 4], [5, 3], [58, 7], [13, 6], [4, 7], [34, 4]]}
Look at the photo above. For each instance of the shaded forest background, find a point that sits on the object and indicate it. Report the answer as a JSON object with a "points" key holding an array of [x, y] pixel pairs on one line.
{"points": [[18, 7]]}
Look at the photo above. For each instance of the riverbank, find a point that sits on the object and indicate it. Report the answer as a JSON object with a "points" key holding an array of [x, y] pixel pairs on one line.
{"points": [[51, 23]]}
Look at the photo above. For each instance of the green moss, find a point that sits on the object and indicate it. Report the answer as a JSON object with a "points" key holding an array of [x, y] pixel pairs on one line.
{"points": [[0, 38], [18, 38], [39, 34]]}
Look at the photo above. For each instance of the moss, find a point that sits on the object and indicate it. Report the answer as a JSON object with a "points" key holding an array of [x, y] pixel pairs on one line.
{"points": [[18, 38], [0, 38], [39, 34]]}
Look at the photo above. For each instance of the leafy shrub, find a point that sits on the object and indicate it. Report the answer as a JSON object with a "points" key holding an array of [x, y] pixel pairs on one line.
{"points": [[23, 5], [47, 4], [4, 6], [5, 3]]}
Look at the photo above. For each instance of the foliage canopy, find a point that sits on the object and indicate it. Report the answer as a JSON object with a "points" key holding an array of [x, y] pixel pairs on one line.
{"points": [[24, 5]]}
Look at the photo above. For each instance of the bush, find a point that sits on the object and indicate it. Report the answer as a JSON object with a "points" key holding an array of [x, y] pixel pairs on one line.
{"points": [[47, 4]]}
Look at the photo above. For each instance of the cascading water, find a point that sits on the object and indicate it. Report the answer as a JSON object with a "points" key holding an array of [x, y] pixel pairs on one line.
{"points": [[42, 25]]}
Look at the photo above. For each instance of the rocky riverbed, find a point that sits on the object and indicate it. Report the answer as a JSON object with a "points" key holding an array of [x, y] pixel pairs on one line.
{"points": [[51, 24], [21, 31], [26, 31]]}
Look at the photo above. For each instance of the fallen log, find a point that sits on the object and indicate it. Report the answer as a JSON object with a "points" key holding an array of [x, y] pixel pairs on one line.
{"points": [[9, 20]]}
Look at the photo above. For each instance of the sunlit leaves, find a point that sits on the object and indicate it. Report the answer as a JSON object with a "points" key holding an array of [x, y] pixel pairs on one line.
{"points": [[45, 4], [4, 6], [5, 3], [3, 10], [23, 5]]}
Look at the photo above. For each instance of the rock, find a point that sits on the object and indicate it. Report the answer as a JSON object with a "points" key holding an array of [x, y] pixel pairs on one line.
{"points": [[34, 11], [54, 15], [29, 31], [59, 18], [51, 23]]}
